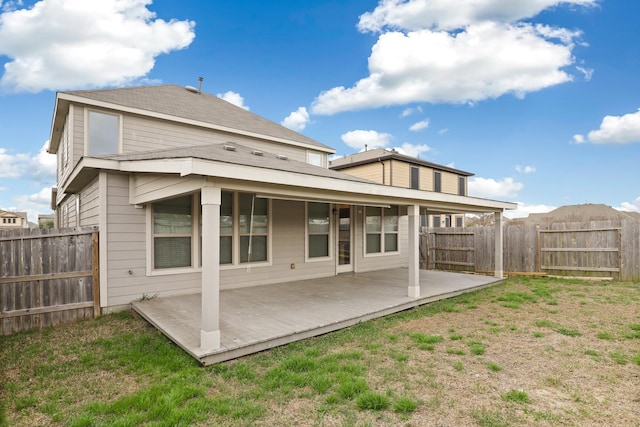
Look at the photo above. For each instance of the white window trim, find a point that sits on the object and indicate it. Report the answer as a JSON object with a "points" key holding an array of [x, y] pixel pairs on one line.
{"points": [[195, 241], [235, 241], [86, 128], [307, 258], [382, 252]]}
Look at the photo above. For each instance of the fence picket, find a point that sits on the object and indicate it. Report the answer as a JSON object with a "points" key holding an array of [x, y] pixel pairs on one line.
{"points": [[46, 278]]}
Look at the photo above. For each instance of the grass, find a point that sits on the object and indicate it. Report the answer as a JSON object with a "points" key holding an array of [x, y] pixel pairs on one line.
{"points": [[117, 370], [517, 396]]}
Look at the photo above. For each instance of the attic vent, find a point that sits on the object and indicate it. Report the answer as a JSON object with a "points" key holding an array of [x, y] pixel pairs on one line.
{"points": [[191, 89], [257, 153], [229, 147], [282, 157]]}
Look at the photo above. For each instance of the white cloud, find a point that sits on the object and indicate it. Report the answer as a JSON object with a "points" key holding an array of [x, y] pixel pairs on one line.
{"points": [[448, 15], [412, 150], [418, 126], [443, 131], [440, 51], [233, 98], [358, 139], [483, 61], [524, 210], [491, 189], [41, 167], [65, 44], [13, 165], [525, 169], [577, 139], [409, 111], [587, 72], [630, 206], [617, 130], [34, 204], [297, 120]]}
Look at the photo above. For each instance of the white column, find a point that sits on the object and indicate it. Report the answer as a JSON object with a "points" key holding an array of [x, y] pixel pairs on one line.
{"points": [[498, 249], [210, 327], [414, 250]]}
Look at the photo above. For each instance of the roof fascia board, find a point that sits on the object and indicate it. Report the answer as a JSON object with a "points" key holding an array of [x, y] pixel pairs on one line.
{"points": [[168, 117], [323, 187]]}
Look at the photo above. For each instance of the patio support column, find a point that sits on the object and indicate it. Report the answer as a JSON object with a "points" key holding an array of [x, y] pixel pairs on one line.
{"points": [[211, 199], [498, 249], [413, 212]]}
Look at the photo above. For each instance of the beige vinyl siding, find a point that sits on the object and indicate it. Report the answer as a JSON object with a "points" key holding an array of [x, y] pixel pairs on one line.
{"points": [[66, 212], [89, 204], [401, 174], [146, 134], [126, 247], [426, 178], [371, 171], [449, 183], [77, 133]]}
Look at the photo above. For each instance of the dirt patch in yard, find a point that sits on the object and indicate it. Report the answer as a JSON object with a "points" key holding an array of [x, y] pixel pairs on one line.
{"points": [[571, 353]]}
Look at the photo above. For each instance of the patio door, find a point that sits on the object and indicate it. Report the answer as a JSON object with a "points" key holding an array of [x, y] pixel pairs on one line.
{"points": [[345, 237]]}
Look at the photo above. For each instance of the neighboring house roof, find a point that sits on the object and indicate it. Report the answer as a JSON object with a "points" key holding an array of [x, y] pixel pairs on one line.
{"points": [[237, 154], [381, 154], [292, 178], [579, 213], [176, 103], [7, 214]]}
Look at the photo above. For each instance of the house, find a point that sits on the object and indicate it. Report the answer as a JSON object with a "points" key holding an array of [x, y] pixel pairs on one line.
{"points": [[13, 220], [46, 220], [392, 168], [193, 195]]}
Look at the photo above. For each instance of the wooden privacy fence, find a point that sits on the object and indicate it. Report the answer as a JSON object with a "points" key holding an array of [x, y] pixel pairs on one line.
{"points": [[590, 249], [47, 277]]}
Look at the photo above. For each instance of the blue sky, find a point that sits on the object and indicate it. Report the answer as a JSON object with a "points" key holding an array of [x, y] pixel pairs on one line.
{"points": [[539, 98]]}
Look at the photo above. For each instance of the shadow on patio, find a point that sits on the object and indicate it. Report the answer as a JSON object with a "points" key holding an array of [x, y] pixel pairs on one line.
{"points": [[258, 318]]}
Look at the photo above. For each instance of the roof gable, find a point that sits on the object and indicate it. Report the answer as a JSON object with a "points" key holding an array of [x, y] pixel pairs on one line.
{"points": [[177, 103]]}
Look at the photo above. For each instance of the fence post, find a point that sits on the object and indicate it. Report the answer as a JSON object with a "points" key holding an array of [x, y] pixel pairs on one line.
{"points": [[95, 267]]}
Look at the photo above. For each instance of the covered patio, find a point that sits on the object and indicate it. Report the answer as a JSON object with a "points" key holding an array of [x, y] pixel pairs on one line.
{"points": [[253, 319]]}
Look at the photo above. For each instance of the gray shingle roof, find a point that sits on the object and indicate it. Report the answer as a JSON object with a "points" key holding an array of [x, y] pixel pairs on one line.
{"points": [[202, 107], [241, 156]]}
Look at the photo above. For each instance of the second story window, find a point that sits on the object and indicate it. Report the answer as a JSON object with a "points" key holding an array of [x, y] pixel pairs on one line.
{"points": [[314, 158], [103, 134], [462, 188], [415, 178], [437, 181]]}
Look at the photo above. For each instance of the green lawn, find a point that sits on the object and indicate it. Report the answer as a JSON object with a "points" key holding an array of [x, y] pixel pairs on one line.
{"points": [[530, 351]]}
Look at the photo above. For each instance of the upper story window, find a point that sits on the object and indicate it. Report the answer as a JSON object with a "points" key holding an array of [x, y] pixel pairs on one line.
{"points": [[462, 188], [314, 158], [437, 181], [103, 136], [415, 177]]}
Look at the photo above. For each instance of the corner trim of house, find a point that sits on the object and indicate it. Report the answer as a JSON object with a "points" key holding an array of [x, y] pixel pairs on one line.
{"points": [[103, 231]]}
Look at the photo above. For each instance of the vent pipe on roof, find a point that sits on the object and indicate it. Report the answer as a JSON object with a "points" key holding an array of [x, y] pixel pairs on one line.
{"points": [[200, 79]]}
